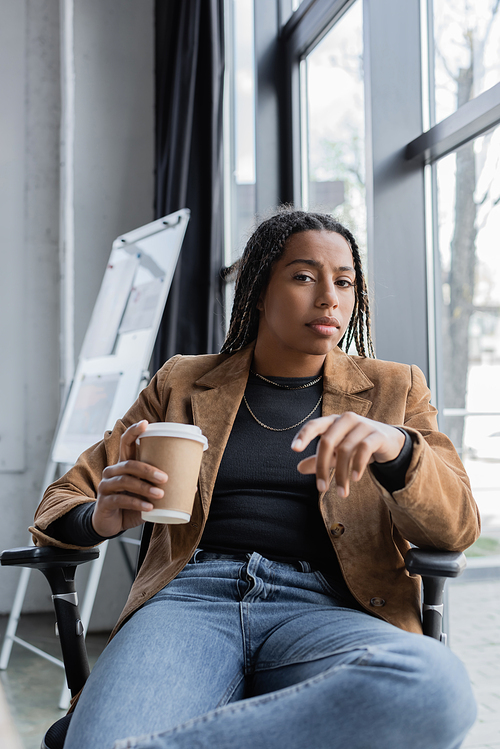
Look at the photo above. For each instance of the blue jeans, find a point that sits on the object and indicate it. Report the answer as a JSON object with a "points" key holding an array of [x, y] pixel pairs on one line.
{"points": [[239, 653]]}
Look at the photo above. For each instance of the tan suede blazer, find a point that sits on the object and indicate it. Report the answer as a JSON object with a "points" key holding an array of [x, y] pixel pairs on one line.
{"points": [[369, 530]]}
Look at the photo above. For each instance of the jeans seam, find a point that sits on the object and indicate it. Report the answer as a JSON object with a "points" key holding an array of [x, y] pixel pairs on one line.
{"points": [[240, 706], [364, 659], [234, 684], [246, 637]]}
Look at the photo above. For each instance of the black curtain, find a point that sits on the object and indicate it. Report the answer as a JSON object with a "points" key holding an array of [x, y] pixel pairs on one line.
{"points": [[189, 173]]}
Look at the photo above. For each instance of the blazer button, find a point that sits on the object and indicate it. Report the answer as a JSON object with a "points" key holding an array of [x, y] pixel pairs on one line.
{"points": [[377, 602], [337, 529]]}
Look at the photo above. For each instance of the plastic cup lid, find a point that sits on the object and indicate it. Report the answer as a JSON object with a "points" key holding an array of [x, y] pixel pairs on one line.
{"points": [[172, 429]]}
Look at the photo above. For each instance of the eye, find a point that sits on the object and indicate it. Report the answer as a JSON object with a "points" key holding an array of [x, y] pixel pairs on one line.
{"points": [[303, 277], [344, 283]]}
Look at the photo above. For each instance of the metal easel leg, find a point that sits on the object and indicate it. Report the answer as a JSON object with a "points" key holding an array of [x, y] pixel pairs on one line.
{"points": [[50, 472], [15, 613]]}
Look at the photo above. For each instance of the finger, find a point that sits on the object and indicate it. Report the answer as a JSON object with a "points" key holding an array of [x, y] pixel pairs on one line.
{"points": [[112, 502], [327, 453], [136, 468], [357, 440], [125, 483], [307, 466], [360, 461], [364, 455], [128, 438], [311, 430]]}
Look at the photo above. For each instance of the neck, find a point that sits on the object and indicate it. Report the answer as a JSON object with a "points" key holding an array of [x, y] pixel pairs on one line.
{"points": [[304, 366]]}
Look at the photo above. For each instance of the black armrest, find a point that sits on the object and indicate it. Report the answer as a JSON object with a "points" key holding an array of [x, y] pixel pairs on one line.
{"points": [[434, 566], [432, 563], [46, 557], [59, 567]]}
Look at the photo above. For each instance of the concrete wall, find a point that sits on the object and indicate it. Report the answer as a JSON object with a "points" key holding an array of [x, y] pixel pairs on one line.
{"points": [[12, 158], [29, 321], [114, 147]]}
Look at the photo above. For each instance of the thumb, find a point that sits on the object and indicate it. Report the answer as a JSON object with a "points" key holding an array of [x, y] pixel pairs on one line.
{"points": [[128, 438]]}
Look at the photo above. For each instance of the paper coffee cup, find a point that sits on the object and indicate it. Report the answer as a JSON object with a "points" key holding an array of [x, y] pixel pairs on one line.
{"points": [[177, 450]]}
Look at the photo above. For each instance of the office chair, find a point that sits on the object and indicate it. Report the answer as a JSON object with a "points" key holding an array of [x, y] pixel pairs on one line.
{"points": [[59, 567]]}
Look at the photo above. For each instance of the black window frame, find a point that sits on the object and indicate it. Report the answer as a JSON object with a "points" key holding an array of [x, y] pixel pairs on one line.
{"points": [[400, 251]]}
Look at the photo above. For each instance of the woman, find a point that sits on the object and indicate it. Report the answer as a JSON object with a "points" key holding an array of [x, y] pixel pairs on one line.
{"points": [[284, 617]]}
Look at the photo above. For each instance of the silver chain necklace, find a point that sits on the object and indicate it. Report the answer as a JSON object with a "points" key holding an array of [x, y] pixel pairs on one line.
{"points": [[286, 387], [284, 429]]}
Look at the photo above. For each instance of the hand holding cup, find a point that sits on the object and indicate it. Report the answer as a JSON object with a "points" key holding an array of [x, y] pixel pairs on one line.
{"points": [[127, 488]]}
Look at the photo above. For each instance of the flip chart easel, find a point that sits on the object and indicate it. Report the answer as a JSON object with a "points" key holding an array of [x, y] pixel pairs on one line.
{"points": [[111, 371]]}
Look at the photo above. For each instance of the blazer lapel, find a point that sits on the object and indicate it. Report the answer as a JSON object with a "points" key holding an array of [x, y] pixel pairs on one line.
{"points": [[215, 406], [342, 380]]}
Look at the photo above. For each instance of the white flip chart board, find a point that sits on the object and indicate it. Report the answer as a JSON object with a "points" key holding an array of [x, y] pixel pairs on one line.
{"points": [[121, 333]]}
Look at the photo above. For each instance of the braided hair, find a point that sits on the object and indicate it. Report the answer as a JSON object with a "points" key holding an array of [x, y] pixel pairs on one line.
{"points": [[264, 247]]}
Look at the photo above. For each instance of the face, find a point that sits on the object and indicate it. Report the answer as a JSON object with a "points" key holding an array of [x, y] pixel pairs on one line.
{"points": [[308, 302]]}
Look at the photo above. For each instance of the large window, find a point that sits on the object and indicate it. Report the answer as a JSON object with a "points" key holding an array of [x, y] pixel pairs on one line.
{"points": [[388, 117], [239, 136], [334, 124], [468, 216], [464, 192], [461, 153], [240, 126], [466, 46]]}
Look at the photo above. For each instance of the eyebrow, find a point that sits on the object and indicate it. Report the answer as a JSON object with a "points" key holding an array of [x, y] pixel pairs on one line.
{"points": [[317, 264]]}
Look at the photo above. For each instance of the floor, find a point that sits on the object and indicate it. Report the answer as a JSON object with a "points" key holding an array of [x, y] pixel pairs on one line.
{"points": [[33, 686], [475, 637]]}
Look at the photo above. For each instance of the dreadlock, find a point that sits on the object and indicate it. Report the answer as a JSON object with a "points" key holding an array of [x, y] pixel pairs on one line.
{"points": [[264, 247]]}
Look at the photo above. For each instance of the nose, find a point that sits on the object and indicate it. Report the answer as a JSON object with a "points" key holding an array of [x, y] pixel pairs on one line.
{"points": [[328, 296]]}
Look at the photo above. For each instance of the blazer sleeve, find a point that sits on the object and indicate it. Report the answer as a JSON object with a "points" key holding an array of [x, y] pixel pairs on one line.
{"points": [[435, 508], [80, 483]]}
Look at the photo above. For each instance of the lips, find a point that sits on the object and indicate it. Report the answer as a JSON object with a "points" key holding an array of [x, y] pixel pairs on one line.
{"points": [[325, 326], [332, 321]]}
